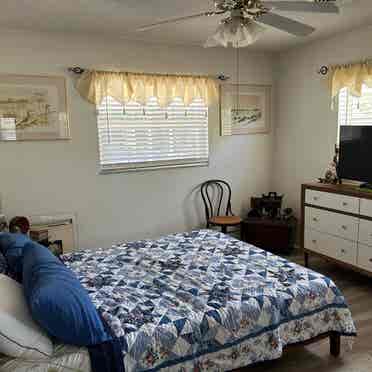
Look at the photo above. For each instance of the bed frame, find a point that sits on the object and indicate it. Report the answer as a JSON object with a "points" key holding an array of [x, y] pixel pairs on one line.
{"points": [[334, 343]]}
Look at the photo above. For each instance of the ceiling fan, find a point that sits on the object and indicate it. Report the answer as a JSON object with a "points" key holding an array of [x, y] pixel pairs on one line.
{"points": [[242, 26]]}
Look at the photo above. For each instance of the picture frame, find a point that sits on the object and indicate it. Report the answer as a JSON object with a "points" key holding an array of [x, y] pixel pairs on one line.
{"points": [[245, 109], [33, 108]]}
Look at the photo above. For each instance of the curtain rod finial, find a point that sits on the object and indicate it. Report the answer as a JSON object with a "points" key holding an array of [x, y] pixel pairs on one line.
{"points": [[76, 70], [223, 77], [323, 70]]}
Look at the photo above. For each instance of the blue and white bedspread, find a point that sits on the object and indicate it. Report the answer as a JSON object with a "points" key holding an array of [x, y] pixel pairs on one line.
{"points": [[203, 301]]}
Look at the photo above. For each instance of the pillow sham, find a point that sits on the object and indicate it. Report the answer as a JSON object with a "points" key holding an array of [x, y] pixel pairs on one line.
{"points": [[11, 245], [57, 300], [20, 336]]}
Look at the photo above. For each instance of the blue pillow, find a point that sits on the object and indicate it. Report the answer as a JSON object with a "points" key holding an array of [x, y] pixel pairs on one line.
{"points": [[57, 300], [11, 246]]}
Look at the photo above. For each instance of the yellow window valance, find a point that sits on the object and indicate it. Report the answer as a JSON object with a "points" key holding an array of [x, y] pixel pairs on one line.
{"points": [[93, 86], [351, 76]]}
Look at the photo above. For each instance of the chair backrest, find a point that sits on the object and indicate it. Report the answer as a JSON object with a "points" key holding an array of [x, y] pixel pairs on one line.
{"points": [[215, 193]]}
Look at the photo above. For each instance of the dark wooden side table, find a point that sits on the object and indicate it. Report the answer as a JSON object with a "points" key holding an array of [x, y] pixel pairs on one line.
{"points": [[274, 235]]}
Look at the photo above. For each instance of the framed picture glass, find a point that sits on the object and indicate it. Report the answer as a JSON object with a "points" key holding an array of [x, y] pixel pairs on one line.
{"points": [[33, 108], [245, 109]]}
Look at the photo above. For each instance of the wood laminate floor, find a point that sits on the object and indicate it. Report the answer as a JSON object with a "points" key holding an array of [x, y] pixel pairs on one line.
{"points": [[316, 357]]}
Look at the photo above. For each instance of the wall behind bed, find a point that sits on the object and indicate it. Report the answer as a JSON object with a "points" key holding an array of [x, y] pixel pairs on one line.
{"points": [[61, 177]]}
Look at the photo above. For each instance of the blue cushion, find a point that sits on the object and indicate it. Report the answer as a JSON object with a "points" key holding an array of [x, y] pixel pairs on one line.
{"points": [[57, 300], [11, 246]]}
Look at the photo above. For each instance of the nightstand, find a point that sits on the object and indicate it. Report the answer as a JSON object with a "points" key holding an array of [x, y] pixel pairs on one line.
{"points": [[275, 235]]}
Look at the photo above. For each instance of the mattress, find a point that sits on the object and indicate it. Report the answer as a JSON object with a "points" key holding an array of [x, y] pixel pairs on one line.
{"points": [[66, 358], [203, 301]]}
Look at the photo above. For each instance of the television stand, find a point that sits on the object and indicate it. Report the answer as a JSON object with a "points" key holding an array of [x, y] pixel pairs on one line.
{"points": [[367, 186]]}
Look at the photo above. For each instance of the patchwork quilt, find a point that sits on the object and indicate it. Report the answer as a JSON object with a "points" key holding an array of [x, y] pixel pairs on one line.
{"points": [[203, 301]]}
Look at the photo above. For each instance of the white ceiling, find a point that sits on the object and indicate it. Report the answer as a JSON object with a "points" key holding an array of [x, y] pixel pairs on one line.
{"points": [[120, 18]]}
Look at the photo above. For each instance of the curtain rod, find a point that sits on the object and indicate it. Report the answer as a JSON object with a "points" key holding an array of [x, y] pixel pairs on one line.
{"points": [[79, 70], [325, 69]]}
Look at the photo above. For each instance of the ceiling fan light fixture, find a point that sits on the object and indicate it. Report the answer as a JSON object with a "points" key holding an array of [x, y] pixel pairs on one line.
{"points": [[238, 32]]}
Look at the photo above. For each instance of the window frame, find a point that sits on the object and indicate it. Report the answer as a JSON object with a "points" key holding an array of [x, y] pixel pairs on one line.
{"points": [[147, 166]]}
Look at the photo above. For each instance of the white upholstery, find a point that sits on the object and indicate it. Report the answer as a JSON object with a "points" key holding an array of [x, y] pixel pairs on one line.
{"points": [[20, 336]]}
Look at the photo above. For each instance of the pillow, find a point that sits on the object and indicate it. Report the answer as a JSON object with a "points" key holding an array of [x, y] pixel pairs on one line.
{"points": [[20, 336], [11, 245], [57, 300], [3, 264]]}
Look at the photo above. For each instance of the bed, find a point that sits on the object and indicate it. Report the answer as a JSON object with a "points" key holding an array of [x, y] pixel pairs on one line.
{"points": [[204, 301]]}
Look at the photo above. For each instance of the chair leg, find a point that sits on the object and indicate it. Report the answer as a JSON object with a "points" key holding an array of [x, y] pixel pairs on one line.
{"points": [[224, 229]]}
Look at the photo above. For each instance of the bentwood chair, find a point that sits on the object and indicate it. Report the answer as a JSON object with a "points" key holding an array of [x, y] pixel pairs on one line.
{"points": [[216, 194]]}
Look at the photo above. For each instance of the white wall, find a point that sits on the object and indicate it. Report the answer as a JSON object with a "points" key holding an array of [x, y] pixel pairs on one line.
{"points": [[306, 128], [54, 177]]}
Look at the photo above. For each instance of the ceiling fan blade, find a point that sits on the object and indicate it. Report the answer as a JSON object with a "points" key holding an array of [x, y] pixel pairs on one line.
{"points": [[285, 24], [303, 6], [176, 20]]}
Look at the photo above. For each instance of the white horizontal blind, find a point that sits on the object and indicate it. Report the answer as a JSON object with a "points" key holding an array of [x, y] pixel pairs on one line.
{"points": [[354, 110], [7, 129], [135, 136]]}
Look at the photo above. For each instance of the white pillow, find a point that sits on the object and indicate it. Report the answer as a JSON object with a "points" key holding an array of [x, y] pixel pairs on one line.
{"points": [[20, 336]]}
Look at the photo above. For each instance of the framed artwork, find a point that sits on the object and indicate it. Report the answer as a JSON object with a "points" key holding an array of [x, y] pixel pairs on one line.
{"points": [[33, 108], [245, 109]]}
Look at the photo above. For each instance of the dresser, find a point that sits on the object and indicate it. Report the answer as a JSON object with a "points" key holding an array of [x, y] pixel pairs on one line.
{"points": [[337, 225]]}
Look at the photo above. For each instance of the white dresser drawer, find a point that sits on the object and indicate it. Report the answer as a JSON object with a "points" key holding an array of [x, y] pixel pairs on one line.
{"points": [[331, 246], [366, 207], [314, 241], [365, 257], [365, 232], [332, 223], [333, 201]]}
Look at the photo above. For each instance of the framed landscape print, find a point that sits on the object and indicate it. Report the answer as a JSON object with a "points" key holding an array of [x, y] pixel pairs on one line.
{"points": [[33, 108], [245, 109]]}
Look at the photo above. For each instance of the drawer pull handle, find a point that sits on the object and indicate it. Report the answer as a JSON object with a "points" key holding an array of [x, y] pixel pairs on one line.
{"points": [[343, 251], [315, 198], [344, 204], [370, 260], [344, 227], [314, 241], [315, 219]]}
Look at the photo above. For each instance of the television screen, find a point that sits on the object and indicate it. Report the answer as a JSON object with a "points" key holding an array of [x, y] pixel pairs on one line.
{"points": [[356, 153]]}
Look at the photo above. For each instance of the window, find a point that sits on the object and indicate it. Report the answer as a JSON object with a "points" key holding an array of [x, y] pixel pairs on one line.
{"points": [[355, 110], [135, 136]]}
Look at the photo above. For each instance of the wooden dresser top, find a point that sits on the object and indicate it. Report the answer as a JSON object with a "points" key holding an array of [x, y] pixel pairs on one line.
{"points": [[339, 189]]}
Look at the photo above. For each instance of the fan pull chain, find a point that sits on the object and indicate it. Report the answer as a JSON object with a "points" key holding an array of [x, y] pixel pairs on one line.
{"points": [[108, 121], [237, 77]]}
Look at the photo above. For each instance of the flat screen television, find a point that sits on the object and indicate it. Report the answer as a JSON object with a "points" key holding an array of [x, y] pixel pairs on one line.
{"points": [[355, 162]]}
